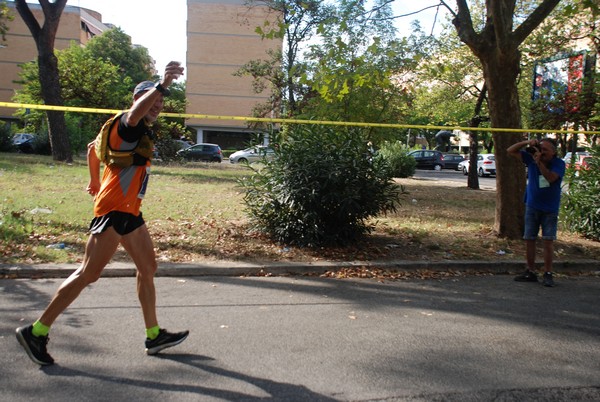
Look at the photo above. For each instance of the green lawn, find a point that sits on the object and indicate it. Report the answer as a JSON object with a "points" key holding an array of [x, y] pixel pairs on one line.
{"points": [[195, 212]]}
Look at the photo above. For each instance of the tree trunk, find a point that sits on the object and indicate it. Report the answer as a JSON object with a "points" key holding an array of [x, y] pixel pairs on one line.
{"points": [[51, 93], [473, 179], [48, 72], [500, 72]]}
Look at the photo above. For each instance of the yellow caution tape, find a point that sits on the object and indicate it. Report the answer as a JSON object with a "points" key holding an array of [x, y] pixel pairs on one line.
{"points": [[292, 121]]}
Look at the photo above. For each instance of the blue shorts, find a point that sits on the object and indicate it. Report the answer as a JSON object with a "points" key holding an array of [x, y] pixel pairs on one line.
{"points": [[535, 218]]}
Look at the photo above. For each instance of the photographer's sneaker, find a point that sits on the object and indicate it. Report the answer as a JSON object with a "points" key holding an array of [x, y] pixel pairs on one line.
{"points": [[527, 276], [548, 281], [164, 340], [35, 346]]}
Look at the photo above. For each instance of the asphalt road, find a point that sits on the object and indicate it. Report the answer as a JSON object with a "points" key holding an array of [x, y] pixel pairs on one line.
{"points": [[454, 178], [472, 338]]}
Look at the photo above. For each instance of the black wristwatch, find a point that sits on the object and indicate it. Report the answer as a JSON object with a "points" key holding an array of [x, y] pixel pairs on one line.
{"points": [[164, 91]]}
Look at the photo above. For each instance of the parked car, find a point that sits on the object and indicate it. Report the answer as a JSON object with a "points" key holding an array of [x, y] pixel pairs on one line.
{"points": [[567, 158], [451, 161], [583, 163], [181, 144], [18, 139], [428, 159], [202, 152], [579, 156], [23, 142], [486, 165], [252, 154]]}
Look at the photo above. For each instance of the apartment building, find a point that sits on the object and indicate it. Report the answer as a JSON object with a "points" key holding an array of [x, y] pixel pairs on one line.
{"points": [[76, 25], [221, 38]]}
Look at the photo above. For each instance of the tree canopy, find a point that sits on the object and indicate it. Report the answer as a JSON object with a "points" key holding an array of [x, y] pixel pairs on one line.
{"points": [[114, 46], [111, 87]]}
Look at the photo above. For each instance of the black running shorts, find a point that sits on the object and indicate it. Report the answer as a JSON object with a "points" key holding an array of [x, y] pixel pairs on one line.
{"points": [[122, 222]]}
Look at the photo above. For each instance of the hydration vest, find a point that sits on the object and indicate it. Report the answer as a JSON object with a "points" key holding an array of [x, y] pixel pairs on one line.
{"points": [[139, 155]]}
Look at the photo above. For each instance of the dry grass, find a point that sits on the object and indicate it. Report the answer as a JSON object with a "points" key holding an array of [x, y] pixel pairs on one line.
{"points": [[195, 213]]}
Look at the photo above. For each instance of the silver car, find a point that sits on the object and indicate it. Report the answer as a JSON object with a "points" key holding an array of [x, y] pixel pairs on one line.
{"points": [[22, 138], [253, 154]]}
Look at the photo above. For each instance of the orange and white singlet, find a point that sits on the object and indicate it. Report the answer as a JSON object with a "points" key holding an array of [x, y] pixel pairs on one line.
{"points": [[123, 188]]}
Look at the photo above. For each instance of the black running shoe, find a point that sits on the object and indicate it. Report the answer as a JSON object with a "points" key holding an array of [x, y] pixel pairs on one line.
{"points": [[548, 281], [527, 276], [164, 340], [35, 346]]}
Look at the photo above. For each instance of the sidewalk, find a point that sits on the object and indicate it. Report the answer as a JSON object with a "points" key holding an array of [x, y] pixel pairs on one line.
{"points": [[278, 268]]}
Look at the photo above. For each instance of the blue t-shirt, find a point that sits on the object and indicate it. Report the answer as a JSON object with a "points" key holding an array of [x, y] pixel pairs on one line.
{"points": [[541, 194]]}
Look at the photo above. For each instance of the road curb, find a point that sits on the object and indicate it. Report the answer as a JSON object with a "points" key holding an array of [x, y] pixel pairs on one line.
{"points": [[281, 268]]}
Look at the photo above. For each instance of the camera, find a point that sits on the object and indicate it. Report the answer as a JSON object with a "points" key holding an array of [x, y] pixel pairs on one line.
{"points": [[532, 149]]}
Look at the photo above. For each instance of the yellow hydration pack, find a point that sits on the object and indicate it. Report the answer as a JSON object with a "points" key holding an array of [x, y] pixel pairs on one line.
{"points": [[122, 158]]}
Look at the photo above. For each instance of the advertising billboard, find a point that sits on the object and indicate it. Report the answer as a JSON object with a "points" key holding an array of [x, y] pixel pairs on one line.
{"points": [[559, 81]]}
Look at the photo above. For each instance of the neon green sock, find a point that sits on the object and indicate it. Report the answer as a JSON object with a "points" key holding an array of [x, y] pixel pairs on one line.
{"points": [[40, 329], [152, 333]]}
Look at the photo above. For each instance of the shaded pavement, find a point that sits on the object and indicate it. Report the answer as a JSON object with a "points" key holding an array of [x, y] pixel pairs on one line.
{"points": [[475, 337]]}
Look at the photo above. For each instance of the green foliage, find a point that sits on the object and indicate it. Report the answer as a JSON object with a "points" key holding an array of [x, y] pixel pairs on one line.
{"points": [[166, 132], [107, 90], [101, 75], [76, 67], [297, 23], [5, 137], [320, 189], [175, 103], [581, 204], [359, 71], [450, 82], [41, 145], [395, 155], [79, 132], [5, 16], [114, 47], [167, 129], [267, 75]]}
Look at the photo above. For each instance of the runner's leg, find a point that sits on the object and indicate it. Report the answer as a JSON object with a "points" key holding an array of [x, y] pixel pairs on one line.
{"points": [[98, 252], [141, 249]]}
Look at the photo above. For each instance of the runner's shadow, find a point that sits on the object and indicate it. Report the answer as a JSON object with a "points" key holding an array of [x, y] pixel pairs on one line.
{"points": [[278, 391]]}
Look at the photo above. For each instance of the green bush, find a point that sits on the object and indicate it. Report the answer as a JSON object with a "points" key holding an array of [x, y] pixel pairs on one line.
{"points": [[396, 156], [581, 203], [165, 133], [6, 135], [167, 149], [82, 129], [41, 144], [320, 188]]}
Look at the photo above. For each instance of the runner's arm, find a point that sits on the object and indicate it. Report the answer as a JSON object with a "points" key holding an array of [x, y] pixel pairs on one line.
{"points": [[94, 167]]}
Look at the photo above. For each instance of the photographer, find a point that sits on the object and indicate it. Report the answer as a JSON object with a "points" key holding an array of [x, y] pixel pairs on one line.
{"points": [[542, 200]]}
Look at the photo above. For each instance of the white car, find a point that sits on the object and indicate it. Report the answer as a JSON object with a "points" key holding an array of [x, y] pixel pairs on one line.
{"points": [[486, 165], [19, 139], [252, 154]]}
